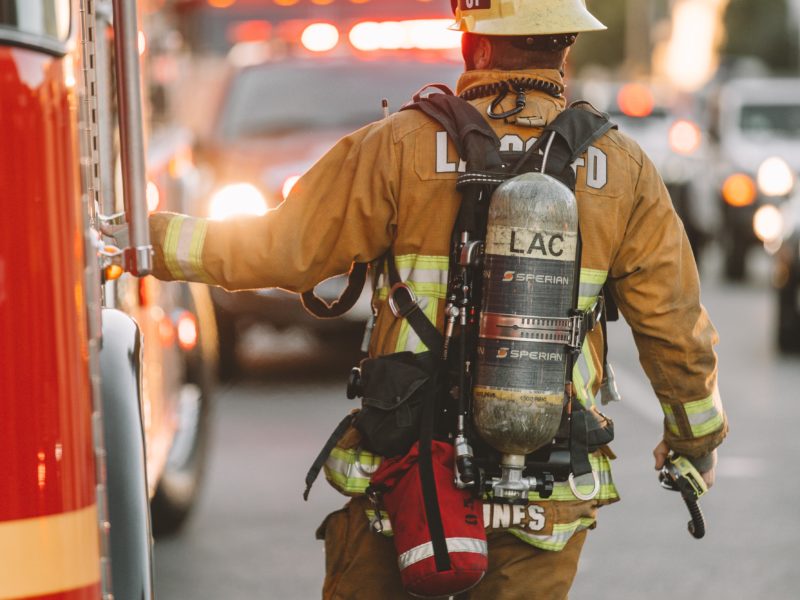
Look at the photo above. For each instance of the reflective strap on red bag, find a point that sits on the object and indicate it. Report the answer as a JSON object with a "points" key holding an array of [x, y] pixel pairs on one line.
{"points": [[424, 551]]}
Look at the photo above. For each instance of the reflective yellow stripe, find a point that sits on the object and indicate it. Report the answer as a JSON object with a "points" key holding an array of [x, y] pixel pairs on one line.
{"points": [[608, 491], [427, 277], [386, 524], [196, 251], [584, 375], [704, 416], [562, 532], [51, 554], [402, 337], [183, 248], [669, 419], [349, 470], [591, 283], [422, 261], [171, 240]]}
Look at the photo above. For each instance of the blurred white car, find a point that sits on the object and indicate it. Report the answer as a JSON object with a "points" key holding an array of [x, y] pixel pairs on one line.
{"points": [[757, 160], [664, 124]]}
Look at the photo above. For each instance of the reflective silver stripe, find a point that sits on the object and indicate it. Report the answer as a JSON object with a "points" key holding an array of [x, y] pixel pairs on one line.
{"points": [[427, 275], [562, 532], [423, 275], [703, 417], [590, 290], [346, 474], [423, 551]]}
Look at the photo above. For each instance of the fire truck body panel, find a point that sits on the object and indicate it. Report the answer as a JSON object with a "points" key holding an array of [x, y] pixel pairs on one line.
{"points": [[74, 514], [48, 511]]}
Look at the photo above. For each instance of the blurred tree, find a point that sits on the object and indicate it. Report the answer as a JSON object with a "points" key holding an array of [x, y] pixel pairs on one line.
{"points": [[763, 29]]}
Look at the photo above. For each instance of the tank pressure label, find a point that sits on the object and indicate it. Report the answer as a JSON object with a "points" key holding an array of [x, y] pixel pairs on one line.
{"points": [[515, 241]]}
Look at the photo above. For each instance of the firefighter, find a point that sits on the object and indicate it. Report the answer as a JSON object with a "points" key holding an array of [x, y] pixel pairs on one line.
{"points": [[391, 184]]}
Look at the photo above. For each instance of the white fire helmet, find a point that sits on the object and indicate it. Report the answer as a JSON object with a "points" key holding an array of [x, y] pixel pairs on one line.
{"points": [[524, 17]]}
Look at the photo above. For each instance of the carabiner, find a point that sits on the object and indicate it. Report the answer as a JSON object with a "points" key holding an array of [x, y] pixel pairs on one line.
{"points": [[581, 496]]}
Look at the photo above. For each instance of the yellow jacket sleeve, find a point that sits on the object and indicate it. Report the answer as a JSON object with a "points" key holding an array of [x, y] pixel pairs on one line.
{"points": [[655, 282], [342, 210]]}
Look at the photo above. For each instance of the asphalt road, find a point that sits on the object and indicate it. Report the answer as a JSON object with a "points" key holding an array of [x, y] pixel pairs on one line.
{"points": [[252, 536]]}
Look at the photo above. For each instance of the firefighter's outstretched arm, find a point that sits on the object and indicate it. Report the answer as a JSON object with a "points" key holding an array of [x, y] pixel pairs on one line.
{"points": [[655, 282], [342, 210]]}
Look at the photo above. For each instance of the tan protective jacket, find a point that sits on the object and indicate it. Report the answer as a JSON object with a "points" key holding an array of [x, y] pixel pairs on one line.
{"points": [[393, 183]]}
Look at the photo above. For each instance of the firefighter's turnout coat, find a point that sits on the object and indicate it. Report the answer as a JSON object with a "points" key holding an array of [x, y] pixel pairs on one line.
{"points": [[392, 183]]}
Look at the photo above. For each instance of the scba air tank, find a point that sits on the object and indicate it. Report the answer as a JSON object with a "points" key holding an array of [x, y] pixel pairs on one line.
{"points": [[529, 291]]}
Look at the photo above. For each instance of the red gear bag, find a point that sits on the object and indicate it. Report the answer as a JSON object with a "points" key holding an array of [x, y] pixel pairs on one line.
{"points": [[439, 534]]}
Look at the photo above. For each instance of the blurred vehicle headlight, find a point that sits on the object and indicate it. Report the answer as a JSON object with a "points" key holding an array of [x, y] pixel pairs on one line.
{"points": [[187, 330], [775, 177], [320, 37], [768, 223], [153, 197], [237, 199], [684, 137], [739, 190]]}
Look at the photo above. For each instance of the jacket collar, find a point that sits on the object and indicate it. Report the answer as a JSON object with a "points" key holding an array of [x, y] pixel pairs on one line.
{"points": [[472, 79]]}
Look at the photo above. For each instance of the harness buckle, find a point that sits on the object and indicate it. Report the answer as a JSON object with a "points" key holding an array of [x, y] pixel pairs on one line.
{"points": [[584, 322], [403, 308]]}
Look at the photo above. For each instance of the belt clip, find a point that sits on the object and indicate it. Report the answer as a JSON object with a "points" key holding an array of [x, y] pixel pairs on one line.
{"points": [[396, 309], [591, 495]]}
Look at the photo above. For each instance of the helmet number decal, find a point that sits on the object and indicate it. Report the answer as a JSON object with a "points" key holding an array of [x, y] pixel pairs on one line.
{"points": [[473, 4]]}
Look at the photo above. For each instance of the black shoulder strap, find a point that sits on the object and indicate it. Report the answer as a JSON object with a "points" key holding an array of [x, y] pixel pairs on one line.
{"points": [[563, 141], [474, 139]]}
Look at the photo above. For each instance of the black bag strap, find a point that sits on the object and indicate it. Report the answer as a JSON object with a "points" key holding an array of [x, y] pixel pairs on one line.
{"points": [[430, 495], [323, 455], [348, 298], [475, 140], [579, 441]]}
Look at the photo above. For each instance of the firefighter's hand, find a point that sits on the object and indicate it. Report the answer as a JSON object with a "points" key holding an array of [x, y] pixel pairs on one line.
{"points": [[119, 233], [706, 466]]}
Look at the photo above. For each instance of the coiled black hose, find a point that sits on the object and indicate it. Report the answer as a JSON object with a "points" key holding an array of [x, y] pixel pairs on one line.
{"points": [[697, 526]]}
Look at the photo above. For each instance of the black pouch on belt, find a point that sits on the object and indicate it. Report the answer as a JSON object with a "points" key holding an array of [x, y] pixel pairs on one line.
{"points": [[393, 389]]}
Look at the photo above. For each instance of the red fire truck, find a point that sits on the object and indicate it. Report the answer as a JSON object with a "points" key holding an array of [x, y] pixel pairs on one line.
{"points": [[104, 388]]}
